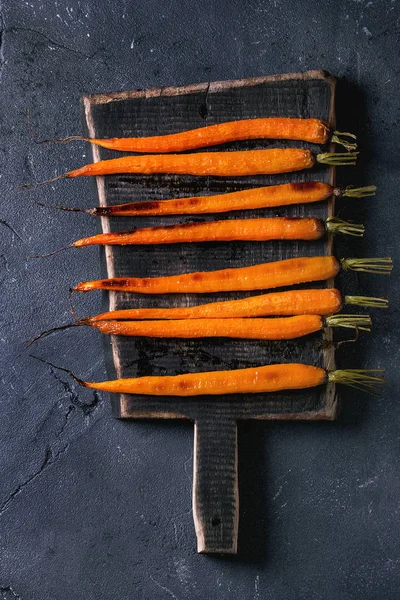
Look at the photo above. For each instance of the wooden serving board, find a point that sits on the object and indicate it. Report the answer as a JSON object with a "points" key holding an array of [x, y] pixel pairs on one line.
{"points": [[167, 110]]}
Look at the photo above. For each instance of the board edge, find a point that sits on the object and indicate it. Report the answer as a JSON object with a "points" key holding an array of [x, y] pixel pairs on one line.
{"points": [[213, 86], [331, 405]]}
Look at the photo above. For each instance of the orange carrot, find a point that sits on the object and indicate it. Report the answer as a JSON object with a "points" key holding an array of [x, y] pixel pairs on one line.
{"points": [[250, 162], [271, 378], [263, 197], [275, 228], [264, 276], [308, 130], [292, 302], [219, 164], [279, 328]]}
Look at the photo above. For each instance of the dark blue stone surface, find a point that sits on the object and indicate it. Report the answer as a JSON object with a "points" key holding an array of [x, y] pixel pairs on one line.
{"points": [[92, 508]]}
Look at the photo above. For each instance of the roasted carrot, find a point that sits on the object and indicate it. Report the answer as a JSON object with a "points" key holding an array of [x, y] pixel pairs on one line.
{"points": [[263, 276], [276, 228], [262, 197], [307, 130], [279, 328], [219, 164], [271, 378], [292, 302]]}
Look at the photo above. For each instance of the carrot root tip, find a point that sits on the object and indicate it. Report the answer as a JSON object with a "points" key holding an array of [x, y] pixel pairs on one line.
{"points": [[71, 306], [90, 211], [49, 364], [26, 186], [48, 332], [66, 140], [53, 252]]}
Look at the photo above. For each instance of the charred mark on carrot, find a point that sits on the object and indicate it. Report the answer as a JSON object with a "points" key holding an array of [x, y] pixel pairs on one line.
{"points": [[147, 205], [114, 282]]}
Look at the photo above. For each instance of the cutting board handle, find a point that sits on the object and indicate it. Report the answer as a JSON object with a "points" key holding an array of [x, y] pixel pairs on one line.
{"points": [[215, 484]]}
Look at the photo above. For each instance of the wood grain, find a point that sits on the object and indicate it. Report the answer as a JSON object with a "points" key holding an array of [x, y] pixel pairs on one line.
{"points": [[166, 110]]}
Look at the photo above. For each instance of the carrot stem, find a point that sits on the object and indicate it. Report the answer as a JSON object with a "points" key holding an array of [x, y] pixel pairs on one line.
{"points": [[336, 225], [378, 266], [367, 301], [361, 322], [342, 138], [360, 379], [360, 192], [337, 158]]}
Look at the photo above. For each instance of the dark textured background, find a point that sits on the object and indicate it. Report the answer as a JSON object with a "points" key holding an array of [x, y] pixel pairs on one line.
{"points": [[94, 508]]}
